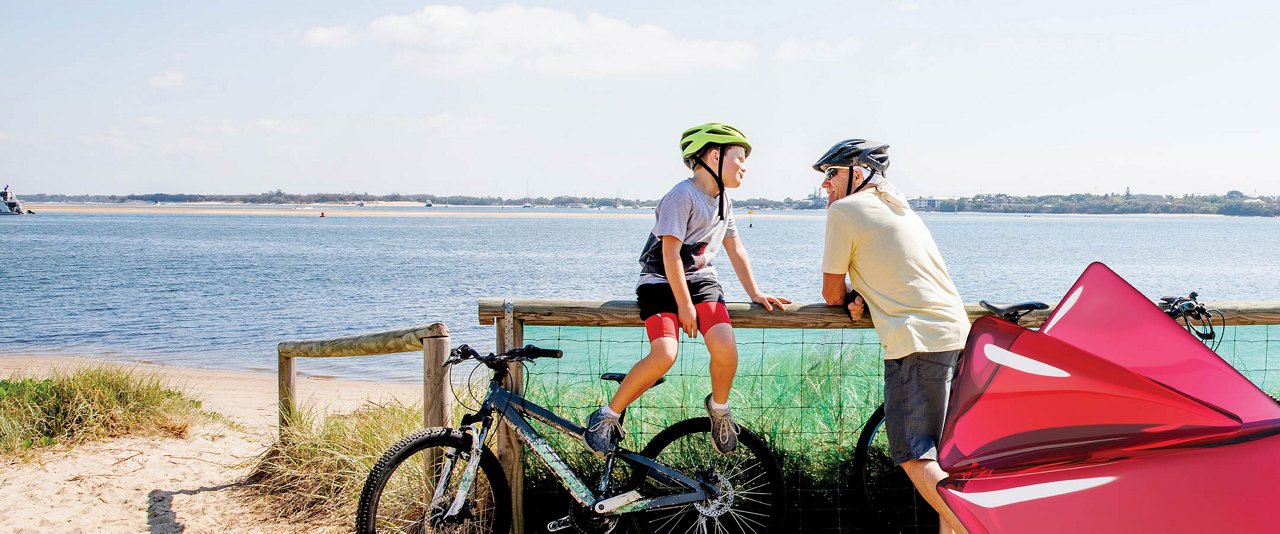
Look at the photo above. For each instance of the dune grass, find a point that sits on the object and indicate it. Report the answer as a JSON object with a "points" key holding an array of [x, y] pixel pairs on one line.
{"points": [[314, 471], [72, 407]]}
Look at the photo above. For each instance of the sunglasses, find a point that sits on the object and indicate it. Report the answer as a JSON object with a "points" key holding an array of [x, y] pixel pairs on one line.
{"points": [[831, 172]]}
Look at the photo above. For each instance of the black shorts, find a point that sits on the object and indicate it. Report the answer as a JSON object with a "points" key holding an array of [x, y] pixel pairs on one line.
{"points": [[658, 298]]}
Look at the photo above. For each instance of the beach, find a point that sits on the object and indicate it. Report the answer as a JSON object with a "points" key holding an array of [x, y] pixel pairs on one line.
{"points": [[163, 484]]}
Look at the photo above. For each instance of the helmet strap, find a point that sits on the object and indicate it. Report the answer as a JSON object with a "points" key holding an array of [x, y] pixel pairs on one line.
{"points": [[719, 180], [716, 174], [864, 183]]}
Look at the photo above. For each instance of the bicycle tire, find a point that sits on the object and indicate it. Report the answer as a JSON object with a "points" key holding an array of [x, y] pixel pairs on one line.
{"points": [[757, 500], [890, 500], [495, 507]]}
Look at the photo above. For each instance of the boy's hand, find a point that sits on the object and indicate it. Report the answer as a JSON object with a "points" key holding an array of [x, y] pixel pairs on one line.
{"points": [[688, 320], [769, 301], [856, 307]]}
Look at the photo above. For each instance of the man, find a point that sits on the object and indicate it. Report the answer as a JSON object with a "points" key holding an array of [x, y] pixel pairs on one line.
{"points": [[895, 269]]}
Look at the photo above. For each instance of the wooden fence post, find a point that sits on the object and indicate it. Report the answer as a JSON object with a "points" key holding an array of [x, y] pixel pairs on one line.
{"points": [[285, 378], [437, 396], [510, 449]]}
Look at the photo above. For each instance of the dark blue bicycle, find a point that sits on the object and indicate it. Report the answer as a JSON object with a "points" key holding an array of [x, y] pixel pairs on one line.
{"points": [[447, 480]]}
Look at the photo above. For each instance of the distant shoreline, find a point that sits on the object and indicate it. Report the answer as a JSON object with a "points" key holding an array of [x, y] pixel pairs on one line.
{"points": [[372, 210]]}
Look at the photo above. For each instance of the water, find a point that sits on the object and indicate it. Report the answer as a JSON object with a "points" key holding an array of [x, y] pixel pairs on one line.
{"points": [[220, 290]]}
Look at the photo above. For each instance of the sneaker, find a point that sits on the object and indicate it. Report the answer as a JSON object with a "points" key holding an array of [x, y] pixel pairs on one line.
{"points": [[724, 431], [601, 429]]}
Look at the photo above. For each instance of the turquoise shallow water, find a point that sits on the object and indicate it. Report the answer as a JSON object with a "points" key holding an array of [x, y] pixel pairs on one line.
{"points": [[220, 291]]}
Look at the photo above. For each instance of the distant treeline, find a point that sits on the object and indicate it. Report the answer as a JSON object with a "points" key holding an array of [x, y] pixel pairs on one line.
{"points": [[1231, 203], [281, 197]]}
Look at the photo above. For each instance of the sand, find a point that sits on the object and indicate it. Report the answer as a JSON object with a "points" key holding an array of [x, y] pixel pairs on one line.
{"points": [[165, 484]]}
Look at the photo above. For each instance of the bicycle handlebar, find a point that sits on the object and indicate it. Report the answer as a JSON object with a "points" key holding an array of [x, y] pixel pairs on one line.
{"points": [[528, 352]]}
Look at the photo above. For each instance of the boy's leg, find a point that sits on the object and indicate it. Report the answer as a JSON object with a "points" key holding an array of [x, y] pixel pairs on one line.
{"points": [[723, 347], [717, 333], [662, 355], [605, 424]]}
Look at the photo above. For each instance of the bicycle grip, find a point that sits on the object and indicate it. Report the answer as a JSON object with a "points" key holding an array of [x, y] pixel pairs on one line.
{"points": [[530, 351]]}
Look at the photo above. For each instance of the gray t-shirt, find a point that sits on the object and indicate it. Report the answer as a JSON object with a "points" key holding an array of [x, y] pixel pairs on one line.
{"points": [[692, 216]]}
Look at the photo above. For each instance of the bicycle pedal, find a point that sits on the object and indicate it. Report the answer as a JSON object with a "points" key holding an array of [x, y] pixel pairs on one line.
{"points": [[560, 524]]}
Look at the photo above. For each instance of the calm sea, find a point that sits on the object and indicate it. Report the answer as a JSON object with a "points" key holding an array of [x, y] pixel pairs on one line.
{"points": [[220, 290]]}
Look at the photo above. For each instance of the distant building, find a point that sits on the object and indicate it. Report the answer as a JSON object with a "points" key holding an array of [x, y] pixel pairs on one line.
{"points": [[928, 203]]}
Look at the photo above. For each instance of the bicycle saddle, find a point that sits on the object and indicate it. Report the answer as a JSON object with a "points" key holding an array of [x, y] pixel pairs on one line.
{"points": [[1013, 312], [617, 377]]}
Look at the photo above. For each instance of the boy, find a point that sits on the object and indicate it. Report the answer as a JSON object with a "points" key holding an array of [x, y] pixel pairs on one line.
{"points": [[678, 287]]}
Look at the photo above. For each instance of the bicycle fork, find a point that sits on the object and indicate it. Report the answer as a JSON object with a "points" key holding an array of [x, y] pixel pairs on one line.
{"points": [[468, 476]]}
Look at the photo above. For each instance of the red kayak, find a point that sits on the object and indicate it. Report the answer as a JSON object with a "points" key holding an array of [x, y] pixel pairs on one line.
{"points": [[1111, 418]]}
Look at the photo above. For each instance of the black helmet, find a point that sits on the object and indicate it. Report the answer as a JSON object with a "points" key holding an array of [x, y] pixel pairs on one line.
{"points": [[856, 152]]}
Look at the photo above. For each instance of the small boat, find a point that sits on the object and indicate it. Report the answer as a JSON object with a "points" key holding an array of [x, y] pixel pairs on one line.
{"points": [[526, 205], [428, 204], [9, 204]]}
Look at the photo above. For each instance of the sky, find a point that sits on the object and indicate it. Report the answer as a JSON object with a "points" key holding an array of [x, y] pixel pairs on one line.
{"points": [[589, 98]]}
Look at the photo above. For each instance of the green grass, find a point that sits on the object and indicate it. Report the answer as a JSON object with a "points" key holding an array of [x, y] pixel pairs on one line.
{"points": [[86, 404]]}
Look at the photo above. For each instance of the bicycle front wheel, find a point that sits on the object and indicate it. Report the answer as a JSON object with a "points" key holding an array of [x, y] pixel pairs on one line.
{"points": [[892, 501], [397, 496], [753, 496]]}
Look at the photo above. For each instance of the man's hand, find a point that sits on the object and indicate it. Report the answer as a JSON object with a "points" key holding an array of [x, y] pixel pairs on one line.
{"points": [[688, 320], [769, 301], [856, 307]]}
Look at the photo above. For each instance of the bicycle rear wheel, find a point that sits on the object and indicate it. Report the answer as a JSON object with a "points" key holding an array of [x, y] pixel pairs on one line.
{"points": [[892, 502], [397, 496], [753, 499]]}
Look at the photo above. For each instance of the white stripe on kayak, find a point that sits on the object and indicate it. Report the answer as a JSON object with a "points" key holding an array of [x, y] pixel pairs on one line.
{"points": [[1022, 363], [1063, 309], [997, 498]]}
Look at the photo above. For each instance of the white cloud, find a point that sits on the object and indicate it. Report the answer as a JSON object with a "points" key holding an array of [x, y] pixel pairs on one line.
{"points": [[328, 36], [907, 6], [229, 127], [6, 136], [152, 122], [167, 80], [817, 50], [114, 138], [449, 41]]}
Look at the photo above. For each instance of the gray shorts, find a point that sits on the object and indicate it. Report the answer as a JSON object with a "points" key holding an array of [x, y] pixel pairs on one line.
{"points": [[916, 390]]}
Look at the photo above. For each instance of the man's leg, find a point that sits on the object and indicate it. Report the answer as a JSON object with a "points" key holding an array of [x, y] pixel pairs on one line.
{"points": [[925, 475], [917, 388]]}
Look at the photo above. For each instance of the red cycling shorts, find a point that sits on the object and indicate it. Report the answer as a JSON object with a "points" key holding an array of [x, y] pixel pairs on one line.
{"points": [[658, 308]]}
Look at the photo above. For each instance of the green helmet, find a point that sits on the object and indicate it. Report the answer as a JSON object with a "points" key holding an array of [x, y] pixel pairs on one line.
{"points": [[693, 140]]}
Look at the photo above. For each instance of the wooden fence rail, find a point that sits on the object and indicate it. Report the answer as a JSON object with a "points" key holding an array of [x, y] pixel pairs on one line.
{"points": [[511, 316], [432, 340]]}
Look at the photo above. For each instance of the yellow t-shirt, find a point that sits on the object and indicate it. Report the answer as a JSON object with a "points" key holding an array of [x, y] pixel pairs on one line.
{"points": [[893, 262]]}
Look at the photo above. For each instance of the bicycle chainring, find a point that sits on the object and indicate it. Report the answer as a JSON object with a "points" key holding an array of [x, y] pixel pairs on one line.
{"points": [[585, 521]]}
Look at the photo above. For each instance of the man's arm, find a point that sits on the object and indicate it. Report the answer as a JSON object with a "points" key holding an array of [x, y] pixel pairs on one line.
{"points": [[742, 267], [834, 289], [835, 292], [836, 253]]}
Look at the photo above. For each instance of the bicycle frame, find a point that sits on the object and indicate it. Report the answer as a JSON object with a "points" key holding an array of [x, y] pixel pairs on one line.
{"points": [[515, 408]]}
